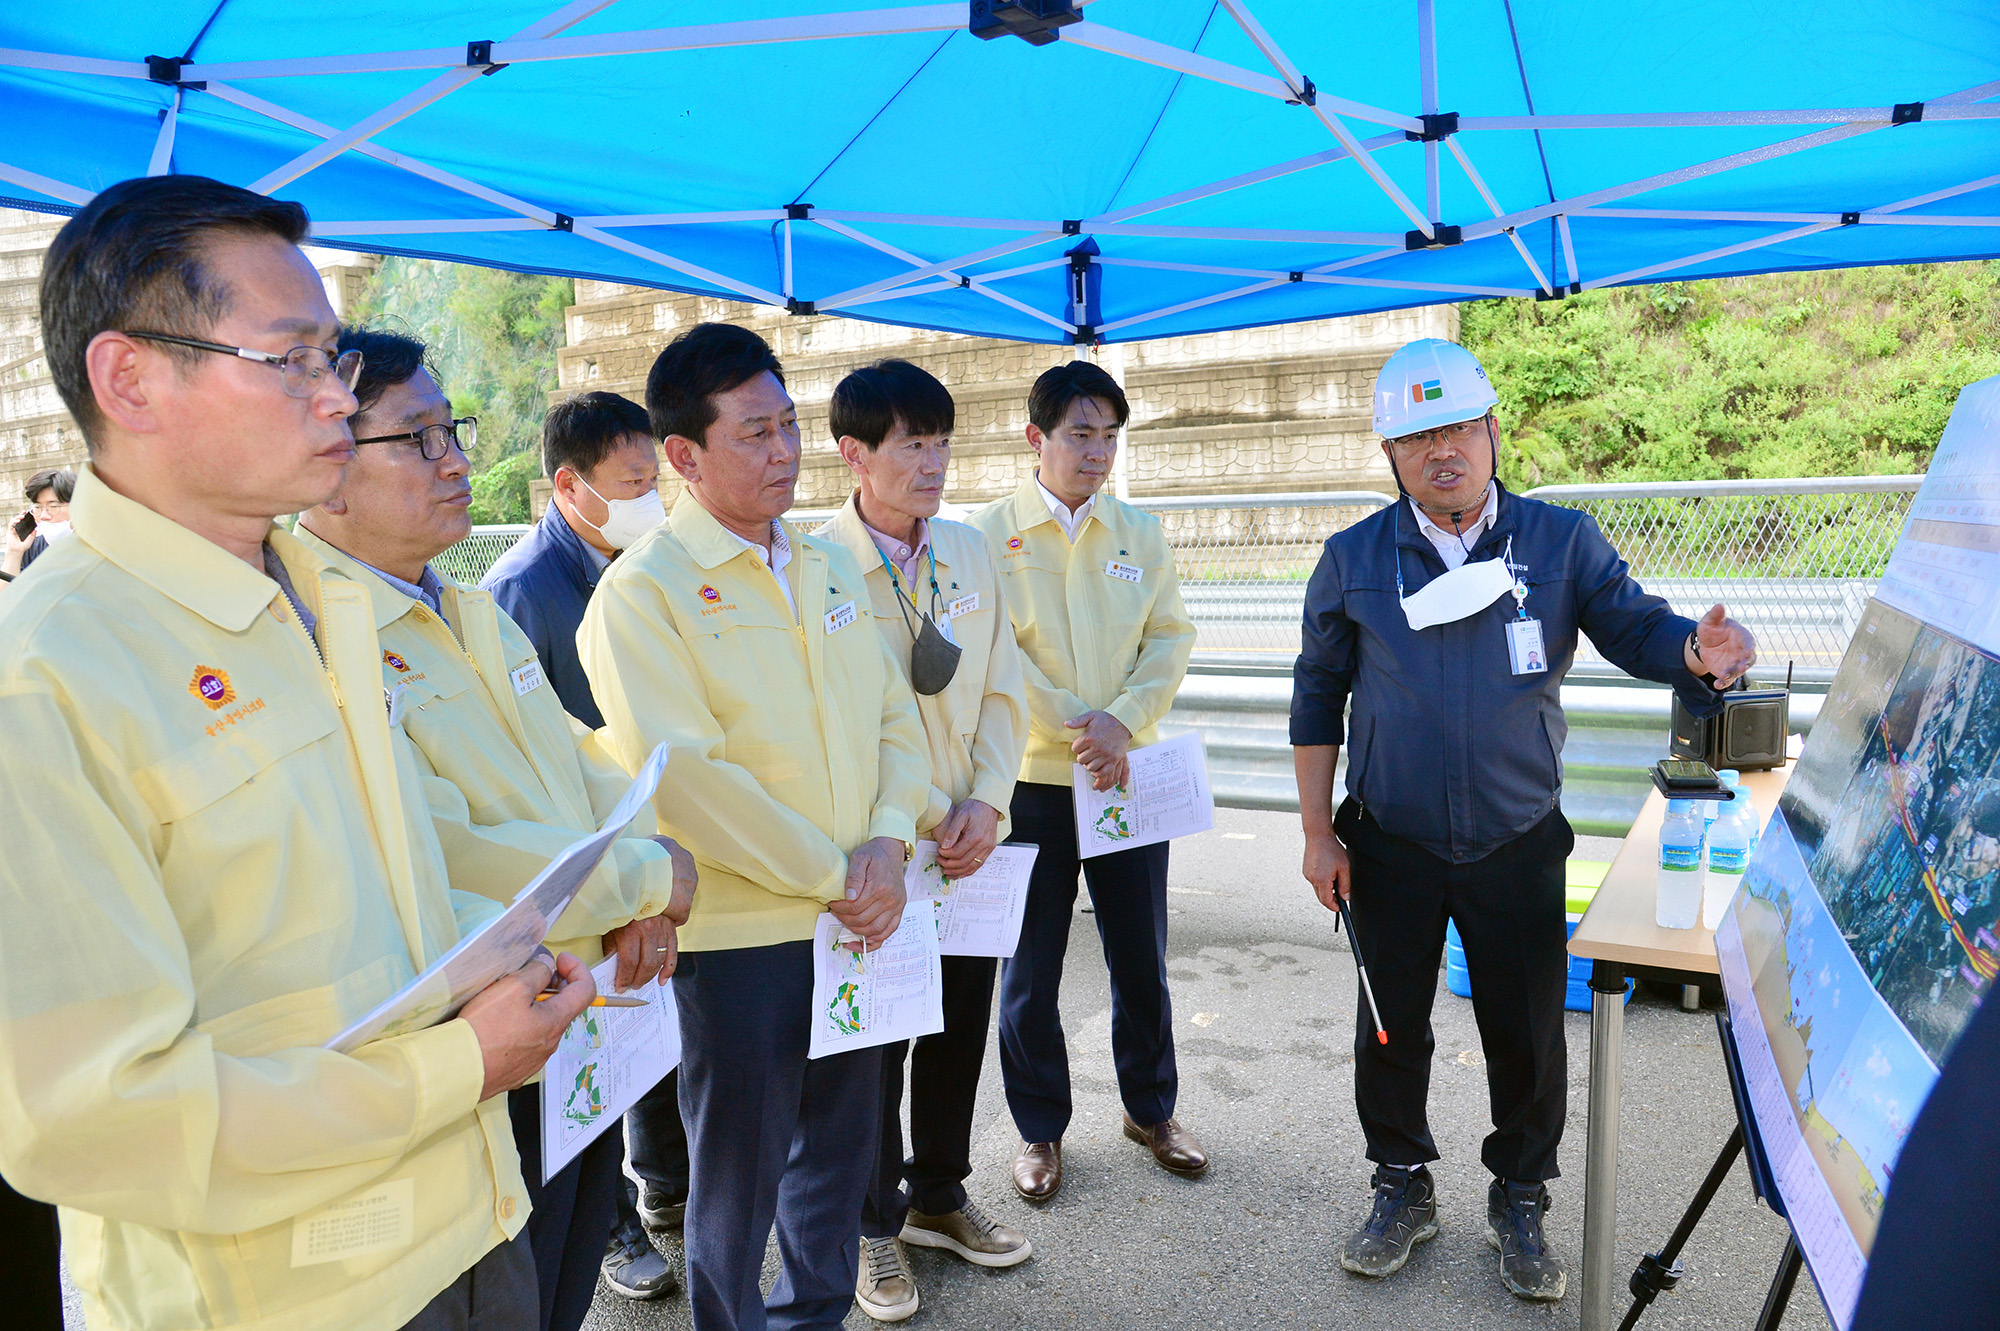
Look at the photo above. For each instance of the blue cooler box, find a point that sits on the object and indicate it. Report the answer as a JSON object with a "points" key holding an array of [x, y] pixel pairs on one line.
{"points": [[1577, 998]]}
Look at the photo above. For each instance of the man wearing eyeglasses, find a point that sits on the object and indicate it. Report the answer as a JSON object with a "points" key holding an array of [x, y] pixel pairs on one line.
{"points": [[201, 694], [46, 519], [509, 777], [1448, 620]]}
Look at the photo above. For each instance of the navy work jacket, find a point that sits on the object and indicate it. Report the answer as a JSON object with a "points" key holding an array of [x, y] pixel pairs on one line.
{"points": [[1449, 748], [543, 584]]}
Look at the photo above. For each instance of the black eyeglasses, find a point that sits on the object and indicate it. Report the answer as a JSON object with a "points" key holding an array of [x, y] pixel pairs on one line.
{"points": [[300, 368], [434, 440]]}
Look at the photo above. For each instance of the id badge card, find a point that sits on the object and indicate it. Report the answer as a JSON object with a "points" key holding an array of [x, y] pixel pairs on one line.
{"points": [[1525, 652]]}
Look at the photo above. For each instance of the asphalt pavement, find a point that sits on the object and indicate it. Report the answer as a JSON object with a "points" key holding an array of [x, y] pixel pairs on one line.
{"points": [[1264, 997]]}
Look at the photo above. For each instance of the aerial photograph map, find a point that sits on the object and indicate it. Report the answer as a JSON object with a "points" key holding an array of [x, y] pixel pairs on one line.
{"points": [[1864, 937]]}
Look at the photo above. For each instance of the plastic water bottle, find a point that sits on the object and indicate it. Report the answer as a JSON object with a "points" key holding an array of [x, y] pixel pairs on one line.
{"points": [[1746, 809], [1678, 905], [1728, 855], [1712, 809]]}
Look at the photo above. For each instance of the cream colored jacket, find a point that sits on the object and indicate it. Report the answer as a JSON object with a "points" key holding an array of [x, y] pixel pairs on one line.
{"points": [[511, 778], [217, 857], [1092, 640], [978, 725], [794, 740]]}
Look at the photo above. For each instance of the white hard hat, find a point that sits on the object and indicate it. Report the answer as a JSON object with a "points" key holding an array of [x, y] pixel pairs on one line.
{"points": [[1428, 383]]}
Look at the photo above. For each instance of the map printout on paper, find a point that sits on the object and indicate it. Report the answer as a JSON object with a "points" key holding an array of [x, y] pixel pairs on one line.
{"points": [[895, 992], [978, 915], [1167, 795], [504, 943], [608, 1058], [1863, 938]]}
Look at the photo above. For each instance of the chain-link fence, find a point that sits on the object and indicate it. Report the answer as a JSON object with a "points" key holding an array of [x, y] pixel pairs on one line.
{"points": [[1796, 560]]}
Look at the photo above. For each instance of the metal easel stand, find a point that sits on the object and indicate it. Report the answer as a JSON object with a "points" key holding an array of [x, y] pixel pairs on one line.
{"points": [[1661, 1271]]}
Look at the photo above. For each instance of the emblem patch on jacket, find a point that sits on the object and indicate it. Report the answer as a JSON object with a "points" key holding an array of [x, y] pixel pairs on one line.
{"points": [[400, 665], [710, 595], [212, 686]]}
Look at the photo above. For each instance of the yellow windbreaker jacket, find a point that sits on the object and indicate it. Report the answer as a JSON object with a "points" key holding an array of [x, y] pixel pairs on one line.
{"points": [[978, 725], [795, 741], [216, 858], [510, 777], [1100, 623]]}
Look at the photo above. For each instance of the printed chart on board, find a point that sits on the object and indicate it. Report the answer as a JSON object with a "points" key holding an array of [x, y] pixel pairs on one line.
{"points": [[978, 915], [894, 992], [608, 1058], [1865, 934]]}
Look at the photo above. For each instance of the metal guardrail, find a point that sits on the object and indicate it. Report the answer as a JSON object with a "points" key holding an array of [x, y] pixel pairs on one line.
{"points": [[1796, 560]]}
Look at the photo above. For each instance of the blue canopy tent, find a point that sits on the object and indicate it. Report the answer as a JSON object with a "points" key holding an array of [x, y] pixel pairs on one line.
{"points": [[1163, 167]]}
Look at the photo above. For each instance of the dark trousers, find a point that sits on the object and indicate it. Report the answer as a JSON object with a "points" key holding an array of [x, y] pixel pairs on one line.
{"points": [[944, 1086], [573, 1212], [772, 1136], [657, 1146], [31, 1262], [497, 1293], [1128, 890], [1509, 911]]}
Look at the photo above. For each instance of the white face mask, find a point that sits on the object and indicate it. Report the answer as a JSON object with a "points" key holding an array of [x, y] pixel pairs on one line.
{"points": [[1464, 591], [630, 518], [52, 531]]}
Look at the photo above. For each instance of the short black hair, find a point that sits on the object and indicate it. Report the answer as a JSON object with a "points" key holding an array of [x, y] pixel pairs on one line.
{"points": [[60, 479], [868, 403], [387, 359], [133, 258], [1049, 400], [705, 360], [582, 431]]}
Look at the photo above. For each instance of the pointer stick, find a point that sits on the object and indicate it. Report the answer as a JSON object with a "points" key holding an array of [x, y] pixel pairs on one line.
{"points": [[1367, 989]]}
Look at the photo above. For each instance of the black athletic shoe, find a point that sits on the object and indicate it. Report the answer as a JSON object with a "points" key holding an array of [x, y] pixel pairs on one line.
{"points": [[1405, 1215], [1514, 1228], [636, 1271], [660, 1210]]}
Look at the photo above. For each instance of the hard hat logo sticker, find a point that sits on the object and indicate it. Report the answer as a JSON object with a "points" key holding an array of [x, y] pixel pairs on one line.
{"points": [[1428, 391]]}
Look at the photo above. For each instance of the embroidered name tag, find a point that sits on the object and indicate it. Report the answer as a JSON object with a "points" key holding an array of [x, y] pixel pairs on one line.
{"points": [[397, 699], [528, 678], [1125, 571], [840, 617], [964, 605], [376, 1221]]}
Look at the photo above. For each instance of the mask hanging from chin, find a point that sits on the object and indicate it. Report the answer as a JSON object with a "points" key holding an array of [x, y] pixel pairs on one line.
{"points": [[1463, 592]]}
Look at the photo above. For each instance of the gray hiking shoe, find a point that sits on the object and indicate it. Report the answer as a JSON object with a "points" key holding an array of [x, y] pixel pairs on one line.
{"points": [[1405, 1215], [1514, 1228]]}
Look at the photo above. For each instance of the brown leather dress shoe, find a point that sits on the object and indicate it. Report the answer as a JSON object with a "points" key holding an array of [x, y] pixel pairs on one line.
{"points": [[1173, 1147], [1038, 1170]]}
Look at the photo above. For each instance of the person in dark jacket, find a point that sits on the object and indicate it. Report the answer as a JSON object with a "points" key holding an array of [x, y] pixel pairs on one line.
{"points": [[597, 449], [1448, 621]]}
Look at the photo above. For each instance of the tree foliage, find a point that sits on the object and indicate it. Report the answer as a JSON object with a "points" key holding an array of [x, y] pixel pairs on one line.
{"points": [[493, 336], [1835, 373]]}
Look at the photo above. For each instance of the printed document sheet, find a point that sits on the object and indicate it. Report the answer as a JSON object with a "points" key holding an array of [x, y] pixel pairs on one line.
{"points": [[608, 1058], [978, 915], [503, 944], [895, 992], [1167, 795]]}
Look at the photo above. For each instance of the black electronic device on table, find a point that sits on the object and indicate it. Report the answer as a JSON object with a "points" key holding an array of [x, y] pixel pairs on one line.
{"points": [[1748, 734], [1684, 779]]}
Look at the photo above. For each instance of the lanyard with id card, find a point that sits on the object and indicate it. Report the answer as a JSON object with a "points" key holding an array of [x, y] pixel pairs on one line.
{"points": [[1525, 652]]}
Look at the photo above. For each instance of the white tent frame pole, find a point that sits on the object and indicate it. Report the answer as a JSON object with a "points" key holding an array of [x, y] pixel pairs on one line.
{"points": [[1187, 305], [1040, 266], [163, 145], [1427, 91], [1634, 274], [932, 270], [1479, 183], [1113, 41], [1209, 191], [425, 226], [571, 14], [1242, 233], [1271, 275], [1395, 284], [40, 184], [786, 288], [1273, 53], [864, 218], [685, 219], [1833, 115], [951, 278], [16, 58], [926, 289], [1569, 247], [523, 48], [693, 270]]}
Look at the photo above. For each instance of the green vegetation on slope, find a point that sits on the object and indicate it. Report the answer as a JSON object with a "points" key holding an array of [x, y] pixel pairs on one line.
{"points": [[493, 336], [1837, 373]]}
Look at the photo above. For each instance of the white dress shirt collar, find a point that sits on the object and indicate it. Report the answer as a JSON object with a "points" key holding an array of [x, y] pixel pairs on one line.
{"points": [[1072, 523], [775, 559], [1453, 549]]}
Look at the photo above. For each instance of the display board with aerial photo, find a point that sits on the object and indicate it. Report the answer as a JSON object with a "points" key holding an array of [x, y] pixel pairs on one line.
{"points": [[1864, 936]]}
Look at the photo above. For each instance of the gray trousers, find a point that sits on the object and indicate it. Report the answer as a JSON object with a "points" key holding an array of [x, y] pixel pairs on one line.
{"points": [[497, 1293]]}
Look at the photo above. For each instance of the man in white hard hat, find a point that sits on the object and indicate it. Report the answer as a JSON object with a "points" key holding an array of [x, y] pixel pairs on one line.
{"points": [[1448, 621]]}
